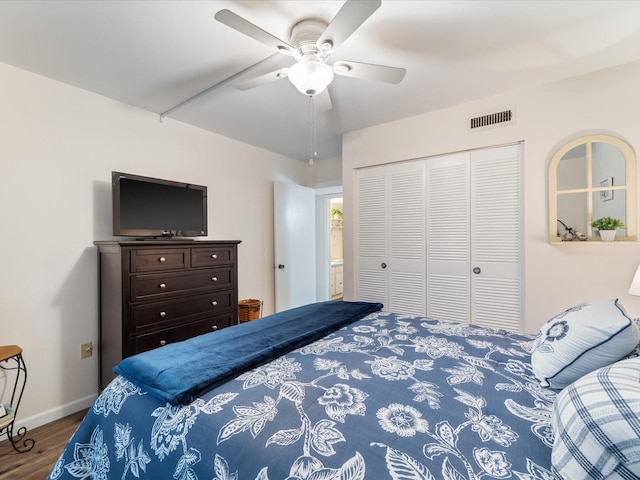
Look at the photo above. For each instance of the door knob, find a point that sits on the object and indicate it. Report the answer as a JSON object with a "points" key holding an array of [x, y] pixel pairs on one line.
{"points": [[383, 265], [281, 266], [476, 270]]}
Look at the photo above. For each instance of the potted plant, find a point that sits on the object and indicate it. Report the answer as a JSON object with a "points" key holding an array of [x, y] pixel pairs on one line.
{"points": [[607, 227], [336, 213]]}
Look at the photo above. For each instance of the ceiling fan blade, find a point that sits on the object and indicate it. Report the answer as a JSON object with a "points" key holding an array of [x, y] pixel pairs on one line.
{"points": [[322, 100], [261, 79], [368, 71], [352, 14], [238, 23]]}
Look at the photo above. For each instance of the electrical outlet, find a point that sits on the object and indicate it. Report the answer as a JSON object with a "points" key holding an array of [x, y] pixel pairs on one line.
{"points": [[86, 350]]}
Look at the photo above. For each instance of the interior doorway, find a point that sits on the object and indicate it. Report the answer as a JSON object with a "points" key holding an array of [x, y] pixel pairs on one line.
{"points": [[335, 249], [329, 244]]}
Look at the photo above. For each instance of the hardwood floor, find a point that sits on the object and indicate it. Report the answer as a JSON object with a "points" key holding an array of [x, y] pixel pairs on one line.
{"points": [[50, 441]]}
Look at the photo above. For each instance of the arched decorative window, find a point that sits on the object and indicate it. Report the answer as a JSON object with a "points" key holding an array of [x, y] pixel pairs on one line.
{"points": [[589, 178]]}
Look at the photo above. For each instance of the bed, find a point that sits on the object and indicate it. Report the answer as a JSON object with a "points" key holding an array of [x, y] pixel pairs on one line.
{"points": [[334, 390]]}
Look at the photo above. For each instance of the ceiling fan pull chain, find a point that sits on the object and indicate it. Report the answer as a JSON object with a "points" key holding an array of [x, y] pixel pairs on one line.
{"points": [[312, 123]]}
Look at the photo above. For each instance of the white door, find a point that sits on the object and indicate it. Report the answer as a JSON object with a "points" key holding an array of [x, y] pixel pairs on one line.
{"points": [[390, 237], [371, 235], [295, 249], [442, 237], [448, 239], [496, 238], [473, 237]]}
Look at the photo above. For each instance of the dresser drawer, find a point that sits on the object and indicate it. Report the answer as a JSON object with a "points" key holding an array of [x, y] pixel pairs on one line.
{"points": [[146, 287], [142, 343], [151, 260], [158, 315], [212, 256]]}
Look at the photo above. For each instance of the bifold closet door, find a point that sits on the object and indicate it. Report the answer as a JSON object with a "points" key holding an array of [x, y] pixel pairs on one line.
{"points": [[441, 237], [474, 237], [390, 236], [496, 243], [448, 237]]}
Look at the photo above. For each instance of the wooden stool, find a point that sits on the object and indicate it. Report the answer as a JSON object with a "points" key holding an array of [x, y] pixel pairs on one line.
{"points": [[11, 359]]}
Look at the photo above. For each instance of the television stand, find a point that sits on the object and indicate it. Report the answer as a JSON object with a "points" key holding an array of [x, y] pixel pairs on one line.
{"points": [[167, 238], [156, 292]]}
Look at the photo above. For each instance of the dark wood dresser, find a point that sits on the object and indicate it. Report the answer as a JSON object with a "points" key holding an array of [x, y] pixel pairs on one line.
{"points": [[157, 292]]}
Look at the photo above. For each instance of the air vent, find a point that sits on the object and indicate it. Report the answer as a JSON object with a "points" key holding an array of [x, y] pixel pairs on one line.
{"points": [[491, 119]]}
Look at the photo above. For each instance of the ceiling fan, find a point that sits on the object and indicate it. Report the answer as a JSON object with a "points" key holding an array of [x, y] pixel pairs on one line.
{"points": [[311, 42]]}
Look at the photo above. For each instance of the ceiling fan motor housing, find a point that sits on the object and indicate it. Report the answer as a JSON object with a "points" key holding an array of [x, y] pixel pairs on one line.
{"points": [[304, 37]]}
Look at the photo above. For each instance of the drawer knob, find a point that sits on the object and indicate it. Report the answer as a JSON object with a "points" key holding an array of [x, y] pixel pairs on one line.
{"points": [[213, 255], [163, 343], [214, 303], [163, 285], [162, 259], [214, 279], [163, 314], [214, 327]]}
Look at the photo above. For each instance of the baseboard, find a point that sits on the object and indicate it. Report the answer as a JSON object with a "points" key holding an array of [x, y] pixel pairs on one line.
{"points": [[57, 413]]}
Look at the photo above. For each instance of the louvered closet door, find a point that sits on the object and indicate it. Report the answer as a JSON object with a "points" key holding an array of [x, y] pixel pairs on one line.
{"points": [[390, 236], [473, 237], [448, 239], [496, 237], [371, 235]]}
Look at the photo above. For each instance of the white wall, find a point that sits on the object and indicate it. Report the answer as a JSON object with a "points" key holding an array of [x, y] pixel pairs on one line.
{"points": [[59, 146], [555, 276], [325, 173]]}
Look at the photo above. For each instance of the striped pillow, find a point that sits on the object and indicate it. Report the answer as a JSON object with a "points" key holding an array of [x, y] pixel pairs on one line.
{"points": [[596, 423]]}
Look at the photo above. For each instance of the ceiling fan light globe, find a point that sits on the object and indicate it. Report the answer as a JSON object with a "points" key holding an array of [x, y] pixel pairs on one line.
{"points": [[310, 76]]}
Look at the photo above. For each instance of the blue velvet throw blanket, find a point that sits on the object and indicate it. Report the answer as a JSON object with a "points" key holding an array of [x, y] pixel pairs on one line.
{"points": [[180, 372]]}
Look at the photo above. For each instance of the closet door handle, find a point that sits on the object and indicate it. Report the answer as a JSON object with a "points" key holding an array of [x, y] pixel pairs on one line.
{"points": [[476, 270], [383, 265]]}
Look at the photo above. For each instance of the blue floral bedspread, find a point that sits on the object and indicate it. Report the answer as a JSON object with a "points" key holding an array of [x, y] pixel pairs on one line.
{"points": [[388, 397]]}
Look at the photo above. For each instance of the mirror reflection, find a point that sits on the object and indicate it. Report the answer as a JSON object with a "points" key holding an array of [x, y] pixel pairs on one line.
{"points": [[589, 179]]}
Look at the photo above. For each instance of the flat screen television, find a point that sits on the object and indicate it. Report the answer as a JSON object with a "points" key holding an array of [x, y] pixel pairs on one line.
{"points": [[152, 207]]}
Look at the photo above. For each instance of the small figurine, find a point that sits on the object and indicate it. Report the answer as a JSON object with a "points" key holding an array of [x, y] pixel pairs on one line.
{"points": [[570, 234]]}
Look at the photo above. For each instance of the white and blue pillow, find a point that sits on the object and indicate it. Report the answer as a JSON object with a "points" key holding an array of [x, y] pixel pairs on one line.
{"points": [[581, 340], [596, 424]]}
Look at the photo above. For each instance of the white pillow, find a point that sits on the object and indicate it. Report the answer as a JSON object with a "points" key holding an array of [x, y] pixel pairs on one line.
{"points": [[581, 340], [596, 424]]}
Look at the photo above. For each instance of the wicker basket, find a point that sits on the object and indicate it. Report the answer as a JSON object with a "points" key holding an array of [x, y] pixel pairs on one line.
{"points": [[249, 309]]}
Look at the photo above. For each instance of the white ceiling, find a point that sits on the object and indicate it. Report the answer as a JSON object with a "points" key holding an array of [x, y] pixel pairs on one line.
{"points": [[155, 54]]}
